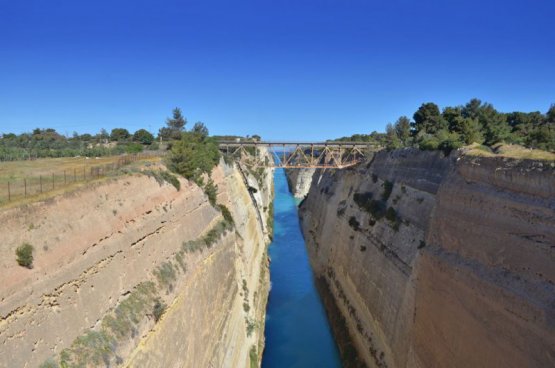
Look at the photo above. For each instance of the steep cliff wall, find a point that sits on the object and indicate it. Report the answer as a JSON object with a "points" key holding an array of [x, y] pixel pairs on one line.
{"points": [[437, 262], [299, 181], [132, 272]]}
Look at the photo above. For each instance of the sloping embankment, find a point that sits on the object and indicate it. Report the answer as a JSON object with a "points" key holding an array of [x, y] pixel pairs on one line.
{"points": [[428, 261], [134, 273]]}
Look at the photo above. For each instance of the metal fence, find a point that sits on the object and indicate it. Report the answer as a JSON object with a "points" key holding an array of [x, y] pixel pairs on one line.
{"points": [[12, 190]]}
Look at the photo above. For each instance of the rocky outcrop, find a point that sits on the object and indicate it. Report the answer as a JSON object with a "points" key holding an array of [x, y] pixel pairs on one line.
{"points": [[133, 272], [436, 261], [299, 181]]}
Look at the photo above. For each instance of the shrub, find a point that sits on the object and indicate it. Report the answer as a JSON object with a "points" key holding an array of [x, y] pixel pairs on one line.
{"points": [[422, 244], [170, 178], [24, 255], [165, 274], [211, 192], [226, 214], [270, 221], [374, 178], [253, 357], [49, 363], [387, 189], [158, 309], [353, 222], [391, 214]]}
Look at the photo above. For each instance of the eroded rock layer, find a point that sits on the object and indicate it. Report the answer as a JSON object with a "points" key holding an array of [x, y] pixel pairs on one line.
{"points": [[437, 261], [133, 272]]}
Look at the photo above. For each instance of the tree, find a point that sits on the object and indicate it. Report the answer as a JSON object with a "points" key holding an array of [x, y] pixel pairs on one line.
{"points": [[200, 128], [551, 114], [143, 136], [392, 141], [427, 119], [402, 128], [174, 126], [119, 134], [193, 155], [468, 128]]}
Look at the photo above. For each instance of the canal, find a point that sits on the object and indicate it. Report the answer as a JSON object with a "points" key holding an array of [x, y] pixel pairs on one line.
{"points": [[297, 330]]}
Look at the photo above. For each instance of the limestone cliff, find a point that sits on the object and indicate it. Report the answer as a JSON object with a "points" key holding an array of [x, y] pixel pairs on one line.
{"points": [[133, 272], [299, 181], [433, 261]]}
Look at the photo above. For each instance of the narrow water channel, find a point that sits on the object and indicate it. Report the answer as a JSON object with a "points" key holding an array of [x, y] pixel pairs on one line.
{"points": [[297, 330]]}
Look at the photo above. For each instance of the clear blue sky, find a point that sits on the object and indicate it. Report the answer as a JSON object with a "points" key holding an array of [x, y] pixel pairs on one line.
{"points": [[283, 69]]}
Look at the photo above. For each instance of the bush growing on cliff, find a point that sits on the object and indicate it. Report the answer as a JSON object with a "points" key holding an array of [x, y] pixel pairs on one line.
{"points": [[226, 214], [24, 255], [165, 274], [211, 192], [158, 310], [353, 222], [387, 189], [164, 177], [49, 363], [270, 221]]}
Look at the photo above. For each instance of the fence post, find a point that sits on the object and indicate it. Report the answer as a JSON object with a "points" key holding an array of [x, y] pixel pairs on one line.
{"points": [[40, 181], [25, 185], [84, 174], [52, 181], [74, 175], [9, 193], [65, 179]]}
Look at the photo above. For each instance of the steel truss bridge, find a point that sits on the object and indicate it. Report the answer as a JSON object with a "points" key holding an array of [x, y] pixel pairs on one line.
{"points": [[298, 155]]}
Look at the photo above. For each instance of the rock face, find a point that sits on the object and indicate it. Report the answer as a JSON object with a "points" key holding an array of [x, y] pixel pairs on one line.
{"points": [[134, 273], [432, 261], [299, 181]]}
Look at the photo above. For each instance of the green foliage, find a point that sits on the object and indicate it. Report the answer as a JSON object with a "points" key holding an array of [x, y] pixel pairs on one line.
{"points": [[387, 189], [193, 155], [226, 214], [164, 177], [253, 357], [24, 255], [392, 140], [165, 274], [475, 122], [207, 240], [49, 143], [174, 126], [123, 322], [49, 363], [211, 192], [270, 220], [119, 134], [92, 348], [158, 309], [251, 325], [143, 136], [376, 208], [353, 222], [391, 214], [134, 148]]}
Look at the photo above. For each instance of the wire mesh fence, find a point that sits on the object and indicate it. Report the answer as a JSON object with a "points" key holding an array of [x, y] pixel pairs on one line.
{"points": [[32, 185]]}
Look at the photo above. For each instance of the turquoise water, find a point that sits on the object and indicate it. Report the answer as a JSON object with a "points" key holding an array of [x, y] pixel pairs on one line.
{"points": [[297, 331]]}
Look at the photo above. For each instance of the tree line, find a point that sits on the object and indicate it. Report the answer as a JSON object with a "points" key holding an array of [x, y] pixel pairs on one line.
{"points": [[475, 122], [43, 143]]}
